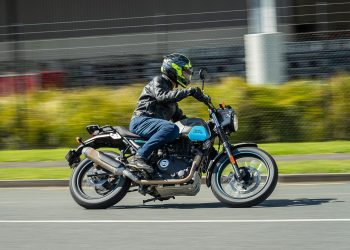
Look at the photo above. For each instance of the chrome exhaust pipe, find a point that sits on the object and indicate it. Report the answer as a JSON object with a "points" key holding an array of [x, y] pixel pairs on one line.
{"points": [[117, 168], [112, 165]]}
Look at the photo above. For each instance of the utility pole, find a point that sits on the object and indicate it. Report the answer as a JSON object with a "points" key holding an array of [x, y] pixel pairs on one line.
{"points": [[263, 44], [12, 31]]}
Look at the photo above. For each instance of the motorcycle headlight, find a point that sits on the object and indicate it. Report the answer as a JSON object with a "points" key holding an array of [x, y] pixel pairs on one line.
{"points": [[228, 119], [235, 122]]}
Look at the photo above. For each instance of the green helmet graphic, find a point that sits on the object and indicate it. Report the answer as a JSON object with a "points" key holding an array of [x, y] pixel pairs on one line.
{"points": [[178, 68]]}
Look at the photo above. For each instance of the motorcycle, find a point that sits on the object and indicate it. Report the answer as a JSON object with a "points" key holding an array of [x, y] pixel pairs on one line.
{"points": [[239, 175]]}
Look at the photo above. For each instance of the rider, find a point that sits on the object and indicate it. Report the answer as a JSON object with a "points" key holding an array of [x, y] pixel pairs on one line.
{"points": [[157, 105]]}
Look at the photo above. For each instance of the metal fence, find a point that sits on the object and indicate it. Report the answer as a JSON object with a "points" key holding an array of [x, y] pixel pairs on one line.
{"points": [[121, 50], [62, 44]]}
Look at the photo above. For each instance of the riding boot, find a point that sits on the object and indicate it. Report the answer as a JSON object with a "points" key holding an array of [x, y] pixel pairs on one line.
{"points": [[141, 163]]}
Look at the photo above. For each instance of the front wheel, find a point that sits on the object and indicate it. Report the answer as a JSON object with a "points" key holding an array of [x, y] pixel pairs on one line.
{"points": [[93, 187], [260, 178]]}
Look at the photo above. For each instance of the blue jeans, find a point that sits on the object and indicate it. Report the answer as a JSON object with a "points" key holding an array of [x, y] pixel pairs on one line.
{"points": [[157, 132]]}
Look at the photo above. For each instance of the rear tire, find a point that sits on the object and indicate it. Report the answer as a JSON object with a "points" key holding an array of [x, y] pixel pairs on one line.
{"points": [[111, 197], [221, 185]]}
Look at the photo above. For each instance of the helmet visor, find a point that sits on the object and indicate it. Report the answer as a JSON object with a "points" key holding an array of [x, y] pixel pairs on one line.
{"points": [[187, 73]]}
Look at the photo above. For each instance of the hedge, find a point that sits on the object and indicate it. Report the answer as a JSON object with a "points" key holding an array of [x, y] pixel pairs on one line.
{"points": [[295, 111]]}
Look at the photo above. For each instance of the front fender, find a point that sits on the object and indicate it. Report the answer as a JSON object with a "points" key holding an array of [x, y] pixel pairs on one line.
{"points": [[222, 155]]}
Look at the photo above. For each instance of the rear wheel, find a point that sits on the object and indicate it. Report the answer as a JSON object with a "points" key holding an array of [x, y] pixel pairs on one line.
{"points": [[93, 187], [260, 178]]}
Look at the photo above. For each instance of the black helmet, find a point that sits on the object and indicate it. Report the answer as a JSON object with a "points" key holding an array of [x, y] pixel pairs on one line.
{"points": [[178, 68]]}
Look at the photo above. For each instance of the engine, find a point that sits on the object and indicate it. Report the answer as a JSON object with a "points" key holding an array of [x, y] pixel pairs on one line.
{"points": [[173, 167], [175, 160]]}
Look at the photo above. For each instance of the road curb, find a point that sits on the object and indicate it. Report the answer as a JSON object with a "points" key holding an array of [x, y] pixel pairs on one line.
{"points": [[314, 177], [284, 178]]}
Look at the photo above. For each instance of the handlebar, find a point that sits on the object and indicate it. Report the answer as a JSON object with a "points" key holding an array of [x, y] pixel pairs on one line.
{"points": [[208, 102], [200, 96]]}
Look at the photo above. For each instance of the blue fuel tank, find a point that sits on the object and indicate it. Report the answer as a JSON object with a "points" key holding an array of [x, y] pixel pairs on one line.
{"points": [[195, 129]]}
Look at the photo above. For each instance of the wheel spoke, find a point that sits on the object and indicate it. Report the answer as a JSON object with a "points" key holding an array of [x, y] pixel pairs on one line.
{"points": [[259, 166], [253, 183], [95, 183], [259, 176]]}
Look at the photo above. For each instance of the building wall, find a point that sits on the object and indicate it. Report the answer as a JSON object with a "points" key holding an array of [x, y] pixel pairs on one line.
{"points": [[315, 15], [58, 19], [64, 29]]}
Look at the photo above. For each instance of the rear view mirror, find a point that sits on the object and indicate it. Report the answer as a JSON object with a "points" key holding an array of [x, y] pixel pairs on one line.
{"points": [[203, 73]]}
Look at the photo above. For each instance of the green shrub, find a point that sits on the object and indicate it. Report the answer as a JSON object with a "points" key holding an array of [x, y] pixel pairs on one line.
{"points": [[339, 107], [295, 111]]}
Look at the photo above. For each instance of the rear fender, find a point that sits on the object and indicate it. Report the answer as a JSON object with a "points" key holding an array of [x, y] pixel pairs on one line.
{"points": [[112, 140], [222, 156]]}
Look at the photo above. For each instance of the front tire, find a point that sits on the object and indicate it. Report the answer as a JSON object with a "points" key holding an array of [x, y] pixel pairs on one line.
{"points": [[260, 181], [92, 187]]}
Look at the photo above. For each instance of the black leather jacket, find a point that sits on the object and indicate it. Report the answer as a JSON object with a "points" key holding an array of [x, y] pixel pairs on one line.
{"points": [[159, 100]]}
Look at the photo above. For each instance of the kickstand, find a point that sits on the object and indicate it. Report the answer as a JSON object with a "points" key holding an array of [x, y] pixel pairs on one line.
{"points": [[159, 199]]}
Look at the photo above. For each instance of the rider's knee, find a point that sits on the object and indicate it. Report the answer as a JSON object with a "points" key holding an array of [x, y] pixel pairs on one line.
{"points": [[173, 132]]}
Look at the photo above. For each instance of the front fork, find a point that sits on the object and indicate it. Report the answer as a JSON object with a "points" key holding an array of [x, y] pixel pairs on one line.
{"points": [[226, 145], [233, 162]]}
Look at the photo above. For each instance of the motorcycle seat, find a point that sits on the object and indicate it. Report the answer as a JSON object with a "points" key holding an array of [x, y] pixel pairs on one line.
{"points": [[123, 131]]}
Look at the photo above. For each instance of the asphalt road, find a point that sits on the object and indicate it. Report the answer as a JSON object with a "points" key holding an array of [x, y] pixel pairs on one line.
{"points": [[296, 216]]}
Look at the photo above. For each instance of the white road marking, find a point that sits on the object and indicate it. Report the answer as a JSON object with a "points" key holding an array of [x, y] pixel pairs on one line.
{"points": [[177, 221], [313, 183]]}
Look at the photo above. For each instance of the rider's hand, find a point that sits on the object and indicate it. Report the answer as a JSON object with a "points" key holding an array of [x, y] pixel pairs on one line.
{"points": [[206, 99], [195, 91]]}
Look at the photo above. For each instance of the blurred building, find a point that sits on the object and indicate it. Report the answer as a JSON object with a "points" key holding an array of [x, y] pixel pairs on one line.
{"points": [[111, 42]]}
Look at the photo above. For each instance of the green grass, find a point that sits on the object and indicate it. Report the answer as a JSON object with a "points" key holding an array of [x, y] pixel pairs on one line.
{"points": [[34, 173], [307, 147], [33, 155], [272, 148], [308, 167]]}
